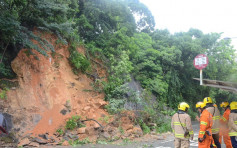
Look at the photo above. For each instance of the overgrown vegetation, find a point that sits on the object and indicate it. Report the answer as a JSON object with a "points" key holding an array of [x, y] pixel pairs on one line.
{"points": [[21, 20]]}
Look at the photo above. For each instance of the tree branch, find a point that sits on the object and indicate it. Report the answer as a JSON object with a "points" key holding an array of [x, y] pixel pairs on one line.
{"points": [[4, 52], [93, 120]]}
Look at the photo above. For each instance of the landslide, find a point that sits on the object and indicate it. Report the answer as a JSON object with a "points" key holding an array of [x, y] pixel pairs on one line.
{"points": [[48, 93]]}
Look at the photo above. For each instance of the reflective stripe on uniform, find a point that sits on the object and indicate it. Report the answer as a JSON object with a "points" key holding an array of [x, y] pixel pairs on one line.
{"points": [[233, 134], [181, 124], [203, 123], [190, 132], [216, 117], [213, 144], [235, 122], [223, 118], [202, 132], [215, 129], [179, 135]]}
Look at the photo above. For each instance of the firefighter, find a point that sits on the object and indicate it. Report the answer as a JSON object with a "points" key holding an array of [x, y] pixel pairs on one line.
{"points": [[233, 124], [224, 125], [182, 126], [198, 106], [214, 111], [205, 139]]}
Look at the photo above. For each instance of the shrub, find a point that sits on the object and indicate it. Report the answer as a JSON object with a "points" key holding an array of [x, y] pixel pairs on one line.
{"points": [[115, 106], [3, 94], [78, 61], [60, 132], [74, 122], [164, 126], [144, 127], [4, 71]]}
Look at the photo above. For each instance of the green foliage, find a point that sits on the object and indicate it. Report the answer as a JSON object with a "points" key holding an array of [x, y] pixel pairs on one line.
{"points": [[5, 71], [168, 112], [22, 23], [93, 50], [120, 73], [192, 113], [127, 141], [164, 127], [98, 20], [97, 85], [121, 130], [144, 127], [105, 119], [17, 18], [79, 142], [139, 42], [3, 94], [115, 106], [147, 145], [60, 132], [146, 21], [73, 123], [116, 90], [101, 142], [78, 61]]}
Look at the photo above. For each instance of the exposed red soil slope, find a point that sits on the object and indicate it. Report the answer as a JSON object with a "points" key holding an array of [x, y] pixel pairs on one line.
{"points": [[47, 86]]}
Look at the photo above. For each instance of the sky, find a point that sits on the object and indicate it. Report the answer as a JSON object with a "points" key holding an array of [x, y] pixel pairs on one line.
{"points": [[206, 15]]}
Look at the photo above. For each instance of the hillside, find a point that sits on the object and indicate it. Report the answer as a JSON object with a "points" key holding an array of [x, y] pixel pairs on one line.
{"points": [[98, 59]]}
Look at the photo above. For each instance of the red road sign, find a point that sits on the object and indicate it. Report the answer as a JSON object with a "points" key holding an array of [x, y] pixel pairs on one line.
{"points": [[200, 61]]}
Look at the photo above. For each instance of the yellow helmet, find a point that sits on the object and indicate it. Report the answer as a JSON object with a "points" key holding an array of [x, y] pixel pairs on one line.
{"points": [[207, 100], [183, 106], [224, 104], [200, 105], [233, 105]]}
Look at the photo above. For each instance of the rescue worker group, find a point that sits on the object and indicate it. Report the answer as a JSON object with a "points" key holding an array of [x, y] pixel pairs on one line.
{"points": [[213, 127]]}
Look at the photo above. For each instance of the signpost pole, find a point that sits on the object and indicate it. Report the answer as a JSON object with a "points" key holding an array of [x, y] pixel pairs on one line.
{"points": [[201, 77], [200, 62]]}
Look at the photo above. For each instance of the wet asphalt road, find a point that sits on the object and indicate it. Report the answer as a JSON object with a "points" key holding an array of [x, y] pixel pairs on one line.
{"points": [[166, 143]]}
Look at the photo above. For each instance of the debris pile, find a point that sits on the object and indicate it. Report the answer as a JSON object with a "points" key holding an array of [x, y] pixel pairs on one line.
{"points": [[120, 126]]}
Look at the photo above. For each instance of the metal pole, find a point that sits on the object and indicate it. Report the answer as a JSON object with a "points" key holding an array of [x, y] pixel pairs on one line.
{"points": [[201, 77]]}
